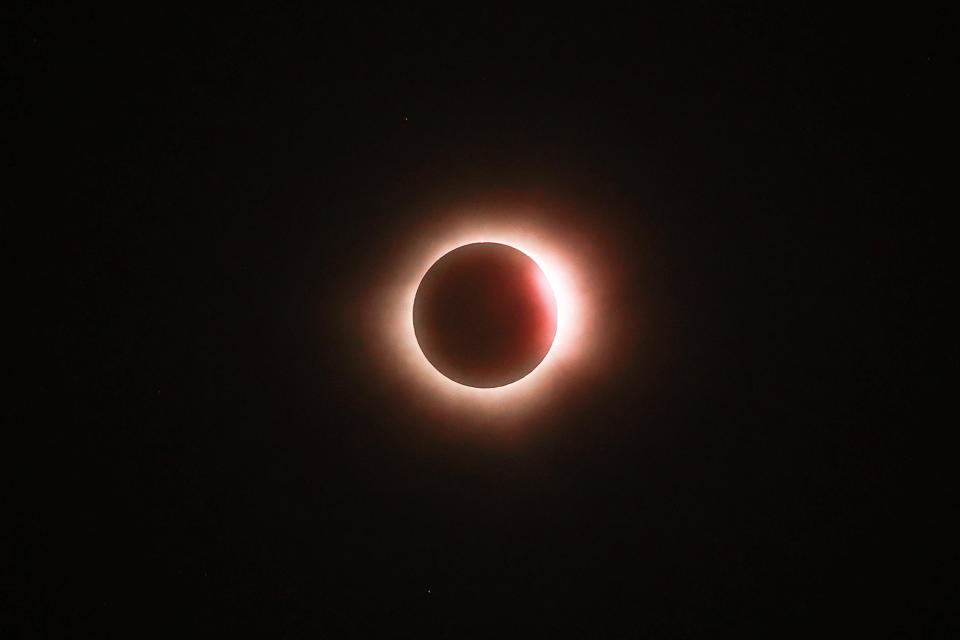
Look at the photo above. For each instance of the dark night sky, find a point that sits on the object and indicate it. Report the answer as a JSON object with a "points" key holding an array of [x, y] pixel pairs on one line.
{"points": [[207, 447]]}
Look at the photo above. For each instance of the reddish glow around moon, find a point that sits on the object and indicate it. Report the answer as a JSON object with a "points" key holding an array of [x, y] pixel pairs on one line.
{"points": [[564, 258]]}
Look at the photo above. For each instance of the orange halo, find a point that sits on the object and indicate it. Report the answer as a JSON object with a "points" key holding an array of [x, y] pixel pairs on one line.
{"points": [[402, 352]]}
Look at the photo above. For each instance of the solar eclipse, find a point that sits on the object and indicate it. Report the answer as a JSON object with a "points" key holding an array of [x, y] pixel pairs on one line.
{"points": [[485, 315], [441, 359]]}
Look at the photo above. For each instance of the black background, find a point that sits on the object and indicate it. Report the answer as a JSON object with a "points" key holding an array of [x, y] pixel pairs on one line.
{"points": [[201, 193]]}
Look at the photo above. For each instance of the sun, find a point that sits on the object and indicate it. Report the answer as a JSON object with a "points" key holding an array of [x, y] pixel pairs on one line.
{"points": [[499, 297], [424, 383]]}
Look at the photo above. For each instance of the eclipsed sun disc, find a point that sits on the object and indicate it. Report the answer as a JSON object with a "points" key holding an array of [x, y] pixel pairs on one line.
{"points": [[485, 315]]}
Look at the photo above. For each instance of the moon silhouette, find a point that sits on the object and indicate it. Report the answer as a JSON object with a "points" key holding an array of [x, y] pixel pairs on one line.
{"points": [[485, 315]]}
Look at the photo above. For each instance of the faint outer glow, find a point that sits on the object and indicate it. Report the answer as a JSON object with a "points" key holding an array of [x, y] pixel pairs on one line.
{"points": [[430, 387]]}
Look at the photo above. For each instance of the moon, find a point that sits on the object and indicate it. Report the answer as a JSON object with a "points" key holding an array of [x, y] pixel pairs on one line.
{"points": [[485, 315]]}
